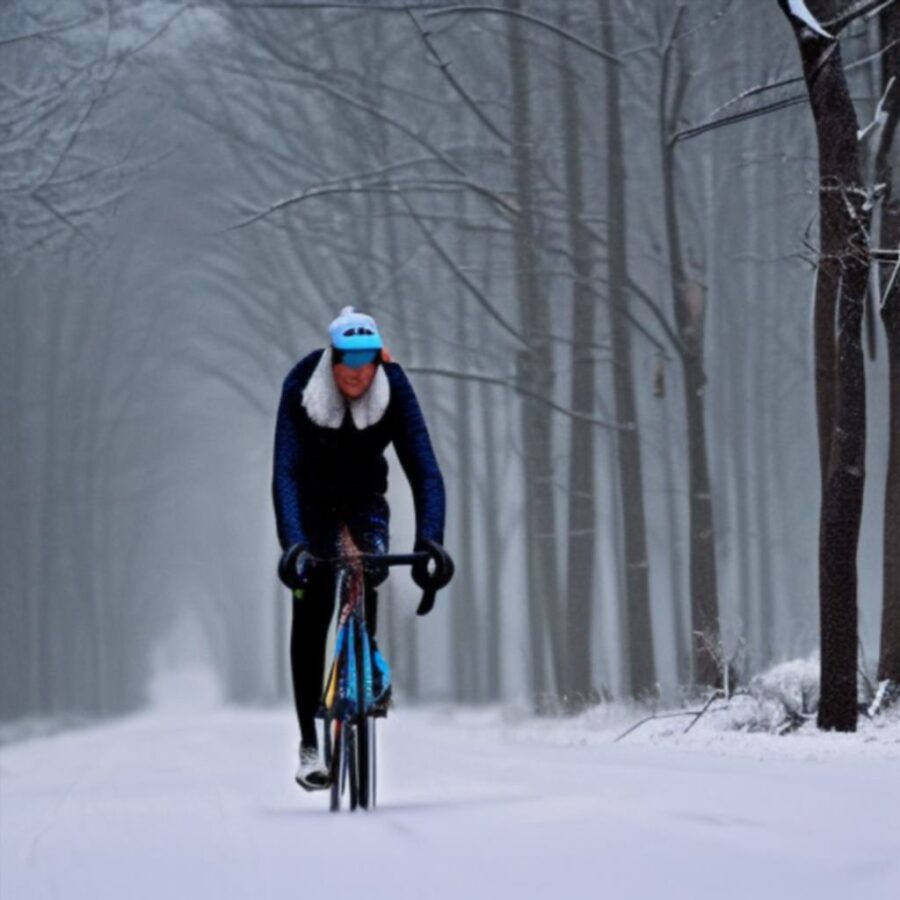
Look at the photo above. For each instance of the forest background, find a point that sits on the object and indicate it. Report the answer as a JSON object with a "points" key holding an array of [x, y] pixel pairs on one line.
{"points": [[590, 233]]}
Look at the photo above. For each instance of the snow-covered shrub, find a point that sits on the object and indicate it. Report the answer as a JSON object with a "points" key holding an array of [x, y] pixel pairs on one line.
{"points": [[779, 699], [795, 683]]}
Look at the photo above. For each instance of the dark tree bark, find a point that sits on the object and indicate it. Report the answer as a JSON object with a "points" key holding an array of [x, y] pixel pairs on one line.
{"points": [[889, 657], [579, 688], [535, 377], [841, 287], [493, 548], [493, 505], [466, 633], [689, 312], [764, 301], [642, 666], [676, 570]]}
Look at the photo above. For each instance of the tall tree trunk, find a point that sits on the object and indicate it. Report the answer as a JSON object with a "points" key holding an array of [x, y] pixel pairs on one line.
{"points": [[642, 666], [762, 391], [840, 373], [579, 688], [682, 641], [689, 305], [889, 658], [493, 509], [741, 410], [493, 546], [534, 376], [464, 629]]}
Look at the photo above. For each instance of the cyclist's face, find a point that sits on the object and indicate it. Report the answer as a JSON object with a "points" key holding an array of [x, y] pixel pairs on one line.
{"points": [[353, 383]]}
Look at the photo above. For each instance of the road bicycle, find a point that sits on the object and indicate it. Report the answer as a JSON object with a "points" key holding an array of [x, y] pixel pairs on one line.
{"points": [[357, 689]]}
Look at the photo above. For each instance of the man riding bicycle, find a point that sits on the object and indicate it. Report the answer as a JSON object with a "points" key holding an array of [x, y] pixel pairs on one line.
{"points": [[340, 408]]}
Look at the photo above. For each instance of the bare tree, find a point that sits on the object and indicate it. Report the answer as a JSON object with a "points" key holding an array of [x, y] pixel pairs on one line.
{"points": [[841, 286], [534, 375], [579, 687], [689, 312], [642, 665], [886, 180]]}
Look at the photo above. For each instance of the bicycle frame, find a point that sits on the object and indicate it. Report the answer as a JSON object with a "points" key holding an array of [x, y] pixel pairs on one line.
{"points": [[344, 700], [350, 701]]}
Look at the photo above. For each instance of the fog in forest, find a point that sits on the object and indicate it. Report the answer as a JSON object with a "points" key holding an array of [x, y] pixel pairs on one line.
{"points": [[596, 297]]}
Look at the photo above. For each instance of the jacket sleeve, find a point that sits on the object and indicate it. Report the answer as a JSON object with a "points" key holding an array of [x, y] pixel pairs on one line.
{"points": [[286, 492], [414, 450]]}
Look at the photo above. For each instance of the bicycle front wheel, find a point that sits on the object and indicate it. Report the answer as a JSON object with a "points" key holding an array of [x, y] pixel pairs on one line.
{"points": [[363, 760], [352, 764], [336, 761]]}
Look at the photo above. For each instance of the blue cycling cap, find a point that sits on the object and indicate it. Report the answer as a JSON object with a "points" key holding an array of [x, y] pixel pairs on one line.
{"points": [[352, 330]]}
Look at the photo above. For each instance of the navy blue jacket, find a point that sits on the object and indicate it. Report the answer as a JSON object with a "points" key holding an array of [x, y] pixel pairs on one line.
{"points": [[319, 469]]}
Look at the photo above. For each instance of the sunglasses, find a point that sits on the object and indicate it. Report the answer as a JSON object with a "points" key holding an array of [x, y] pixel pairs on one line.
{"points": [[355, 359]]}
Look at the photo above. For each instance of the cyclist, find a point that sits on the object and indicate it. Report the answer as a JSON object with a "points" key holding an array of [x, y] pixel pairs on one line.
{"points": [[340, 408]]}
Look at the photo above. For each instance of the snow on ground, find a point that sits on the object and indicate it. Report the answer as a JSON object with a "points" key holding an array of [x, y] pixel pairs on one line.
{"points": [[201, 803]]}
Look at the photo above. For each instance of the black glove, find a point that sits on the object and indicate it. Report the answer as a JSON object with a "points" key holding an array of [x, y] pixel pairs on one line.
{"points": [[431, 580], [442, 570], [295, 566]]}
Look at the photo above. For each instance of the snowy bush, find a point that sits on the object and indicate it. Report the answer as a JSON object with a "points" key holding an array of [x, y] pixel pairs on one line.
{"points": [[780, 699]]}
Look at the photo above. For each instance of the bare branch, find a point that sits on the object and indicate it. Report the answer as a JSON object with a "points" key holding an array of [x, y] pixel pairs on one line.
{"points": [[469, 284], [715, 695], [52, 29], [855, 10], [366, 7], [795, 79], [518, 389], [712, 123], [534, 20], [888, 290], [338, 186], [658, 314], [879, 117], [460, 90], [708, 23], [390, 120], [696, 130], [62, 217]]}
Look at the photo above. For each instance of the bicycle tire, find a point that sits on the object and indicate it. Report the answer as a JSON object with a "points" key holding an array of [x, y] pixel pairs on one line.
{"points": [[335, 767], [362, 760], [352, 759], [373, 768], [362, 724]]}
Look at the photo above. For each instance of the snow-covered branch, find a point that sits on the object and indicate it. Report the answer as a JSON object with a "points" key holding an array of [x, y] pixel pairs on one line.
{"points": [[880, 116], [801, 12], [856, 10]]}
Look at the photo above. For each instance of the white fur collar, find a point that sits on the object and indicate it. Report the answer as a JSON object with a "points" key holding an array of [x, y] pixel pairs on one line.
{"points": [[326, 406]]}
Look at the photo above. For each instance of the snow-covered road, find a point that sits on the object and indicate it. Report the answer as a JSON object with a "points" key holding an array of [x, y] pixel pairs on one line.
{"points": [[169, 804]]}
